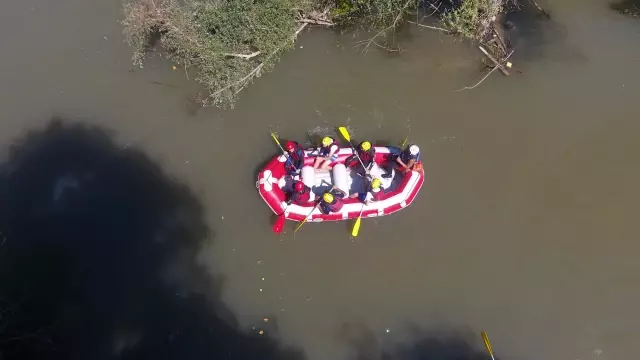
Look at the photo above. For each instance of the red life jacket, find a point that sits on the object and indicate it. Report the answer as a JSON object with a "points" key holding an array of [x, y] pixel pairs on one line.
{"points": [[336, 205], [304, 196], [367, 156]]}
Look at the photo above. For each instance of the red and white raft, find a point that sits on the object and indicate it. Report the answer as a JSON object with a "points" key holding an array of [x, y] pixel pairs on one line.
{"points": [[400, 190]]}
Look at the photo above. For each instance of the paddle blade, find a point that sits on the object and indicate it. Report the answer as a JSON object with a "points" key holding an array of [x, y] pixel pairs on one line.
{"points": [[356, 227], [279, 224], [345, 133], [274, 137], [487, 344]]}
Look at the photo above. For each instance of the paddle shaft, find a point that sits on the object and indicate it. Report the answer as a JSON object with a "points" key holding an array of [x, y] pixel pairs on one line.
{"points": [[358, 156], [307, 217]]}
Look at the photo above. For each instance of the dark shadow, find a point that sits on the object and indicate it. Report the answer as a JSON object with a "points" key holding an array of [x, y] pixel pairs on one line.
{"points": [[536, 36], [415, 343], [98, 258], [627, 7]]}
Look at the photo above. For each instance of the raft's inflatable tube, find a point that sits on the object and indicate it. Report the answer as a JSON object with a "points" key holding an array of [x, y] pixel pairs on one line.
{"points": [[400, 192], [340, 177], [308, 175]]}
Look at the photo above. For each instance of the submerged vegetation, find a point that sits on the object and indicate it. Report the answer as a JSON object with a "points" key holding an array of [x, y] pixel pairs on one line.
{"points": [[231, 42]]}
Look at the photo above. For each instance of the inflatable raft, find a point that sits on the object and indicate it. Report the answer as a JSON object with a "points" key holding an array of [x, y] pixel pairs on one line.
{"points": [[400, 190]]}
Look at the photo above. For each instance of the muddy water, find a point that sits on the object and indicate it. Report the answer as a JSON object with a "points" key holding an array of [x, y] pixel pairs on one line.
{"points": [[526, 226]]}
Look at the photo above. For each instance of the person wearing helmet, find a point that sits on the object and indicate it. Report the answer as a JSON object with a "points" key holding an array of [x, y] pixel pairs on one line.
{"points": [[295, 158], [374, 192], [367, 155], [331, 201], [301, 194], [327, 153], [406, 158]]}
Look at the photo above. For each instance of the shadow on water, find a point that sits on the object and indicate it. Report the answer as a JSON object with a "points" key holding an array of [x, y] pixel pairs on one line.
{"points": [[415, 343], [627, 7], [98, 258], [536, 35]]}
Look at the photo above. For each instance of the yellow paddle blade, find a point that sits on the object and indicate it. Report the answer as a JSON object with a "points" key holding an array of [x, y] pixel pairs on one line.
{"points": [[356, 227], [345, 133], [274, 137], [487, 344], [404, 142]]}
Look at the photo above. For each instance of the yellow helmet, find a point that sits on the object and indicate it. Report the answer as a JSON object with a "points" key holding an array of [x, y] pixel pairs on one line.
{"points": [[327, 197], [326, 141], [375, 183], [365, 146]]}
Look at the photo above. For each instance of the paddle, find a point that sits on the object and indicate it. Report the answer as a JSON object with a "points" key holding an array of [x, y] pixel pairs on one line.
{"points": [[345, 133], [308, 216], [487, 344], [356, 226]]}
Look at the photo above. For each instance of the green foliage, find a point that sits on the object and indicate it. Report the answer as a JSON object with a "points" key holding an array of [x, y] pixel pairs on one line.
{"points": [[472, 17], [205, 33], [371, 13]]}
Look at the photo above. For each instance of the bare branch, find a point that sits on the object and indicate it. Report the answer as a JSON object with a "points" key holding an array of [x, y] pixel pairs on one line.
{"points": [[429, 27], [486, 76], [370, 41], [246, 57], [317, 22]]}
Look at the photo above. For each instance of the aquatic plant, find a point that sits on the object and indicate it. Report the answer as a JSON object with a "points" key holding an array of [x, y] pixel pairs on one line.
{"points": [[232, 42], [229, 42]]}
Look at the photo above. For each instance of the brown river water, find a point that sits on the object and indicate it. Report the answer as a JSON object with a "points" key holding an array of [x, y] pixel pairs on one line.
{"points": [[527, 224]]}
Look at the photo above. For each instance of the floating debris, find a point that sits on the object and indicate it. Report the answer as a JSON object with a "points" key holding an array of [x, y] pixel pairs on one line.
{"points": [[265, 319], [260, 290], [261, 332]]}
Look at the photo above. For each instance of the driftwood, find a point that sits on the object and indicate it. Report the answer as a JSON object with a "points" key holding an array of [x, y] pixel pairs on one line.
{"points": [[496, 62], [429, 27], [486, 76], [316, 22], [246, 57]]}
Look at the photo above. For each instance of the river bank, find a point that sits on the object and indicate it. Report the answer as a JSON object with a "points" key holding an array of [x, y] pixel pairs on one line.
{"points": [[230, 44]]}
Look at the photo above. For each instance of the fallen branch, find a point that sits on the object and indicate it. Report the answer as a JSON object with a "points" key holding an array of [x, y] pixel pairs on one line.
{"points": [[243, 56], [496, 62], [429, 27], [316, 22], [486, 76]]}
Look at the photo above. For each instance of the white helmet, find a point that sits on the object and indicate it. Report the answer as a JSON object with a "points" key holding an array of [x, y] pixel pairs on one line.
{"points": [[414, 149]]}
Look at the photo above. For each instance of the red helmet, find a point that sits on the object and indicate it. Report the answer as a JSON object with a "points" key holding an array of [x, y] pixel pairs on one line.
{"points": [[299, 186], [290, 146]]}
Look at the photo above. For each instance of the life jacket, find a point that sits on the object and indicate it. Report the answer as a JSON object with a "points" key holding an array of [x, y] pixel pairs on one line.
{"points": [[367, 156], [303, 197], [406, 156], [332, 207], [377, 195], [325, 150], [295, 159]]}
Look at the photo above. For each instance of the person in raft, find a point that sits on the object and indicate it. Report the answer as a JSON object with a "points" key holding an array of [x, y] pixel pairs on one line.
{"points": [[295, 158], [406, 158], [327, 153], [367, 154], [373, 192], [331, 201], [301, 194]]}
